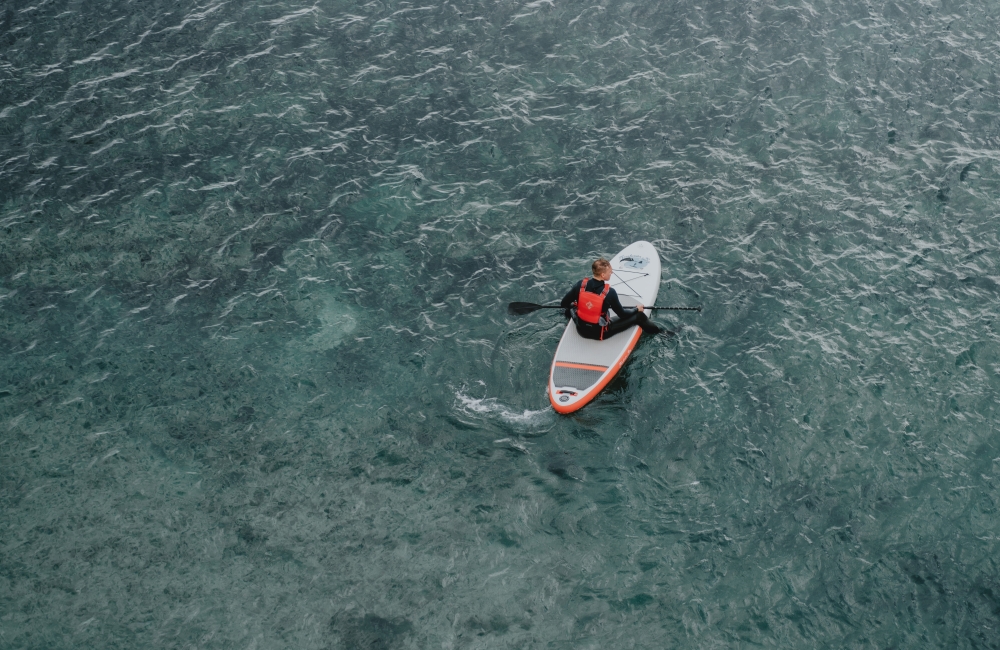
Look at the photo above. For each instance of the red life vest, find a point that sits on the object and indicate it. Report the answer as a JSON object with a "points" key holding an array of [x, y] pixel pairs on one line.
{"points": [[590, 306]]}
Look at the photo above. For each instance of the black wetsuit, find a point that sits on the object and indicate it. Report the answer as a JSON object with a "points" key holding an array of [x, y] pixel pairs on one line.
{"points": [[627, 316]]}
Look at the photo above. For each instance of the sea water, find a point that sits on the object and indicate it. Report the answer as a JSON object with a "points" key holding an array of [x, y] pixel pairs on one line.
{"points": [[258, 385]]}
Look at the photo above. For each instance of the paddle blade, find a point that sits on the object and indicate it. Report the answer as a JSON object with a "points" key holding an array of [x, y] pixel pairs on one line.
{"points": [[522, 308]]}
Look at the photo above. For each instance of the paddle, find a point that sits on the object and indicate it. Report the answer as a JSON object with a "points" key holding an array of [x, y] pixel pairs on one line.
{"points": [[522, 308]]}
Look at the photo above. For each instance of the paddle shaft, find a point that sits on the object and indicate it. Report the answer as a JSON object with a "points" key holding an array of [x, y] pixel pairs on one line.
{"points": [[527, 308], [663, 308]]}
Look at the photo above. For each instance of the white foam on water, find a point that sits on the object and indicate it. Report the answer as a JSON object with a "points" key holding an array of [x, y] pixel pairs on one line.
{"points": [[532, 420]]}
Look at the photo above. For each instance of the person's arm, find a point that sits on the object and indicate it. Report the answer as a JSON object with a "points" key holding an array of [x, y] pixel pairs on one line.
{"points": [[570, 297], [612, 303]]}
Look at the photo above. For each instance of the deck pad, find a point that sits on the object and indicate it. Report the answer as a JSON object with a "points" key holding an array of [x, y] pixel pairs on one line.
{"points": [[582, 367]]}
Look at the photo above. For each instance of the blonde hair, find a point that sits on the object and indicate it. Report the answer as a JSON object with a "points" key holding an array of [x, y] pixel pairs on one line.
{"points": [[599, 266]]}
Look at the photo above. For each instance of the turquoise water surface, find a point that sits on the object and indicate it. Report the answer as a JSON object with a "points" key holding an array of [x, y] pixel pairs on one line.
{"points": [[258, 385]]}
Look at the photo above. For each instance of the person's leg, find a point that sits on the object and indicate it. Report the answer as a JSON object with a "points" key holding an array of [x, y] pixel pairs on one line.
{"points": [[638, 318]]}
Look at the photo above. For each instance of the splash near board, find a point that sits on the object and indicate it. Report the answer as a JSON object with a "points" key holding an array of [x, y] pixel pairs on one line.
{"points": [[582, 367]]}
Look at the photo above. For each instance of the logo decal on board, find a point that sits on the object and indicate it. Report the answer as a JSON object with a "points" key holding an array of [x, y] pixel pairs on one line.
{"points": [[635, 262]]}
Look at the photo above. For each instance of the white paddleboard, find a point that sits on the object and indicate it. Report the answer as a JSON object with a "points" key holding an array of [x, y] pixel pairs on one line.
{"points": [[582, 367]]}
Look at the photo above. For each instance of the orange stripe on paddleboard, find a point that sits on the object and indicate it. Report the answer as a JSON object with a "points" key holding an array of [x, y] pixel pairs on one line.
{"points": [[591, 393], [580, 366]]}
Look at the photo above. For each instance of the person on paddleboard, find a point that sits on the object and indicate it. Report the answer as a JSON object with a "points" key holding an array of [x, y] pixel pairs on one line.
{"points": [[589, 301]]}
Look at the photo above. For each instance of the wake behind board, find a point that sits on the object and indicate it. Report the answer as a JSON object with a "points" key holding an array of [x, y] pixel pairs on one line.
{"points": [[582, 367]]}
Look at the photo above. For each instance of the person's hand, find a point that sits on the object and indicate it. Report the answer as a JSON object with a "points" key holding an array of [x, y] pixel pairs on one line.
{"points": [[639, 306]]}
